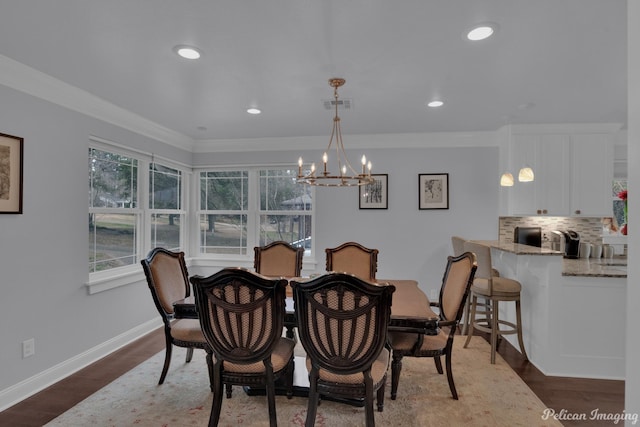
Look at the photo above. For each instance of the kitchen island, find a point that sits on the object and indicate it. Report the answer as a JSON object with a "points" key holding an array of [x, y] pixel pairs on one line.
{"points": [[573, 311]]}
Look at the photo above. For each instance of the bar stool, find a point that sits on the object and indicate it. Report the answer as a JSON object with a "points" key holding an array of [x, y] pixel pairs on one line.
{"points": [[457, 243], [494, 289]]}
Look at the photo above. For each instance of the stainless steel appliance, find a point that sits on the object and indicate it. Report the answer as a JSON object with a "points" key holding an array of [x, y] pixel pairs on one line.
{"points": [[531, 236]]}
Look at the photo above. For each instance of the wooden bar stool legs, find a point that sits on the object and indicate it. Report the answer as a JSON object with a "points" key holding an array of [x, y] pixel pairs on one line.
{"points": [[492, 324], [493, 289]]}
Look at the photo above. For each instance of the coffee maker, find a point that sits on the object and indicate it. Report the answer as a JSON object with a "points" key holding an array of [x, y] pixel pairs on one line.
{"points": [[571, 244]]}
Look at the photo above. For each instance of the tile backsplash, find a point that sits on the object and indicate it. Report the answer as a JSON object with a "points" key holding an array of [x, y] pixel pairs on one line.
{"points": [[590, 229]]}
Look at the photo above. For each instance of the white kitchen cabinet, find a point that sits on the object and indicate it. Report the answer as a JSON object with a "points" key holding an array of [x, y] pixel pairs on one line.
{"points": [[549, 157], [573, 174], [591, 175]]}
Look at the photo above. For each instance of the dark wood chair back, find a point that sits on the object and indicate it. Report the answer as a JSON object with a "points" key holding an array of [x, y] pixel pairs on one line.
{"points": [[242, 315], [342, 323]]}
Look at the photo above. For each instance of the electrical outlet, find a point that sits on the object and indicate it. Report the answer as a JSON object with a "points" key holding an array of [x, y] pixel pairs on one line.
{"points": [[434, 295], [28, 348]]}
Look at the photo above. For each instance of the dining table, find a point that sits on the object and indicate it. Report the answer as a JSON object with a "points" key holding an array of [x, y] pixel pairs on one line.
{"points": [[410, 310], [409, 307]]}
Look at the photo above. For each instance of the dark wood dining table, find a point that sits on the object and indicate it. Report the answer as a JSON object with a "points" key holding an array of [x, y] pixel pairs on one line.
{"points": [[409, 309]]}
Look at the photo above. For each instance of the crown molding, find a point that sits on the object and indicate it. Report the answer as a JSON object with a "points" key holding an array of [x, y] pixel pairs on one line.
{"points": [[382, 141], [36, 83]]}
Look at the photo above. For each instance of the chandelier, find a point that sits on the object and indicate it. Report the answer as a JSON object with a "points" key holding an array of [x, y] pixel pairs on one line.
{"points": [[347, 175]]}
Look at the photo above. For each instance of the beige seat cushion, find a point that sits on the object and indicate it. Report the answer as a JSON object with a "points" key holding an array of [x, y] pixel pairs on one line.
{"points": [[378, 371], [402, 341], [187, 330], [281, 355], [501, 287]]}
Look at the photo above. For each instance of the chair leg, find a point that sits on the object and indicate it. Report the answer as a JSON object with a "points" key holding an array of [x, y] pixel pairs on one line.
{"points": [[368, 400], [271, 394], [464, 330], [519, 328], [472, 317], [380, 395], [452, 386], [289, 378], [216, 405], [438, 363], [210, 368], [189, 354], [494, 330], [312, 407], [167, 359], [396, 368]]}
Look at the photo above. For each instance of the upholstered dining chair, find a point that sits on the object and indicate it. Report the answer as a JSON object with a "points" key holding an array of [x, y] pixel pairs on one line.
{"points": [[496, 290], [342, 323], [278, 259], [241, 314], [168, 280], [413, 342], [352, 257]]}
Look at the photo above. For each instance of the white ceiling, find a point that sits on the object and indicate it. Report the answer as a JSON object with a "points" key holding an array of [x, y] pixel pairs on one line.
{"points": [[551, 61]]}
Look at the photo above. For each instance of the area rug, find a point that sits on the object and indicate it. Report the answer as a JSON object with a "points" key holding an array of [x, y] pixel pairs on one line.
{"points": [[489, 395]]}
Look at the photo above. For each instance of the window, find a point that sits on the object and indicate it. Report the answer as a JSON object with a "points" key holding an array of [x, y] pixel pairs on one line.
{"points": [[285, 208], [223, 212], [114, 217], [165, 206], [130, 211], [253, 207]]}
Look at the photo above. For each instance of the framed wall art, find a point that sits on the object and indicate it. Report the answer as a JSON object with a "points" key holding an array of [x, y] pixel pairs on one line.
{"points": [[433, 191], [11, 151], [376, 194]]}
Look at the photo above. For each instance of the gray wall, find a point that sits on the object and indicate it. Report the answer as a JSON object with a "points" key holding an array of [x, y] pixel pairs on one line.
{"points": [[43, 253]]}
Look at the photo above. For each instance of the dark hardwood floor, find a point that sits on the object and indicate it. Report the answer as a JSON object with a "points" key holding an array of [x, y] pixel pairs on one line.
{"points": [[574, 395]]}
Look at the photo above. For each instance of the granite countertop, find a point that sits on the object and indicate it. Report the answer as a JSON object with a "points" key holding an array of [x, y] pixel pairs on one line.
{"points": [[592, 267], [583, 267], [519, 249]]}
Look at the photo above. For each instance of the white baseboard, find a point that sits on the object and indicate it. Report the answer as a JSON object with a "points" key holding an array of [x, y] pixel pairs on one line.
{"points": [[20, 391]]}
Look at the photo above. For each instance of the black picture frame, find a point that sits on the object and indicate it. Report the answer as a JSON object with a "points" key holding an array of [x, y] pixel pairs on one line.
{"points": [[433, 191], [11, 172], [375, 195]]}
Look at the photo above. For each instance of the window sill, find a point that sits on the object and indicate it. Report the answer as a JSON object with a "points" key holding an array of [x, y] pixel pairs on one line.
{"points": [[103, 281]]}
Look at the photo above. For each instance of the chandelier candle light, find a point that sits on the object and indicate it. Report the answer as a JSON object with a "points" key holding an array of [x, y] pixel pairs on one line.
{"points": [[347, 176]]}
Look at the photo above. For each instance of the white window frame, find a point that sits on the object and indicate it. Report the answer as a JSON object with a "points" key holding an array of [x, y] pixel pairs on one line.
{"points": [[253, 218], [121, 276]]}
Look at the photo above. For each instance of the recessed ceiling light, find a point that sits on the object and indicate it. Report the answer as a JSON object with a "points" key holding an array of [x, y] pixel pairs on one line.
{"points": [[481, 32], [253, 111], [434, 104], [187, 52]]}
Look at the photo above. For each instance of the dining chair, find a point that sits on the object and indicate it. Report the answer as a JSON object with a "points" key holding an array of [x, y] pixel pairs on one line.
{"points": [[168, 280], [278, 259], [352, 257], [241, 314], [415, 342], [496, 290], [342, 323]]}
